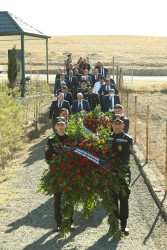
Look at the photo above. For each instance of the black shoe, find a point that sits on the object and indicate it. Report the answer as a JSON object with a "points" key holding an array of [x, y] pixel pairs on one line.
{"points": [[57, 229], [125, 231]]}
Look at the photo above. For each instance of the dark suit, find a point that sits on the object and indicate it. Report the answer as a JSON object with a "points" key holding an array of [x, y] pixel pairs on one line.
{"points": [[105, 71], [107, 103], [55, 110], [73, 82], [57, 85], [85, 104], [79, 77], [126, 122], [93, 100], [104, 89], [68, 97], [94, 79]]}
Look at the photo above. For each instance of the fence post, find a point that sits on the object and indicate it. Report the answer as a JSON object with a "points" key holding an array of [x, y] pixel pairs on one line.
{"points": [[127, 109], [117, 75], [135, 117], [122, 96], [113, 68], [166, 163], [147, 119]]}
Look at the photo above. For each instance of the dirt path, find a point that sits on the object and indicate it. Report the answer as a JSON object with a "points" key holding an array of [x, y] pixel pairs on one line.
{"points": [[29, 216]]}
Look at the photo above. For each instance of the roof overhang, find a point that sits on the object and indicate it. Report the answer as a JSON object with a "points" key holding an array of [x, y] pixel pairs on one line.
{"points": [[16, 36]]}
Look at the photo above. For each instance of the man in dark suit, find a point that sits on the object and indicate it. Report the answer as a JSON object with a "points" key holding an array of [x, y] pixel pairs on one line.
{"points": [[95, 76], [71, 80], [106, 87], [109, 101], [77, 75], [60, 71], [80, 104], [83, 88], [84, 65], [103, 71], [58, 83], [98, 65], [56, 107], [67, 95], [108, 75], [92, 98], [87, 77], [118, 110]]}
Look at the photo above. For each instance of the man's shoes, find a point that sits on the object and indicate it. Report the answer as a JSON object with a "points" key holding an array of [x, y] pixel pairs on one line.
{"points": [[57, 229], [72, 227], [125, 231]]}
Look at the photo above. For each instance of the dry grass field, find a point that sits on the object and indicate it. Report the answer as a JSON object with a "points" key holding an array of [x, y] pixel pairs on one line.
{"points": [[149, 54]]}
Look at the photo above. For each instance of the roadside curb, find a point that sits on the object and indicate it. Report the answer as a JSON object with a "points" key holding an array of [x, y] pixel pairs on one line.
{"points": [[156, 188]]}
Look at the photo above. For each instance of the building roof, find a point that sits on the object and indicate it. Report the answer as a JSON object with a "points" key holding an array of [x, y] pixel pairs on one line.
{"points": [[11, 25]]}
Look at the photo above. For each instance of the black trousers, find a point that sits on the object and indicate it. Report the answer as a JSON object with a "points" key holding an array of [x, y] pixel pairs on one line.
{"points": [[57, 209]]}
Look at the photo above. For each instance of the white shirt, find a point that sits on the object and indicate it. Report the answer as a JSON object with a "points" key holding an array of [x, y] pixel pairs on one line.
{"points": [[96, 87], [81, 105]]}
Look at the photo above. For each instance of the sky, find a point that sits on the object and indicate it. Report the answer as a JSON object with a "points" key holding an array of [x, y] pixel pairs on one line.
{"points": [[92, 17]]}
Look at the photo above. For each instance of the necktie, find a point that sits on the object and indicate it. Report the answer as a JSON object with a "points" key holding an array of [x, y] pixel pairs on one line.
{"points": [[71, 79], [102, 72], [79, 107], [59, 105], [107, 88]]}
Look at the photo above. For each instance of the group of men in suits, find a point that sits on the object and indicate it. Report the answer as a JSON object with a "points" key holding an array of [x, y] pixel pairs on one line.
{"points": [[77, 90]]}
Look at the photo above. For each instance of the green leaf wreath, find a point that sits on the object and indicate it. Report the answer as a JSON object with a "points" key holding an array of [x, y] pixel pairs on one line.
{"points": [[82, 181]]}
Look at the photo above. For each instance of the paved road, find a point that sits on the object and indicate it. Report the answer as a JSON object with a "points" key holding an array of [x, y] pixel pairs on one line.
{"points": [[29, 221]]}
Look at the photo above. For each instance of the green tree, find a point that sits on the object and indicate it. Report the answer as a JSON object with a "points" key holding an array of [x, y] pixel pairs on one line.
{"points": [[12, 67]]}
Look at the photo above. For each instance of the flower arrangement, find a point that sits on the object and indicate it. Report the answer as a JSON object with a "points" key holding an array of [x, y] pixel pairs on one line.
{"points": [[83, 181]]}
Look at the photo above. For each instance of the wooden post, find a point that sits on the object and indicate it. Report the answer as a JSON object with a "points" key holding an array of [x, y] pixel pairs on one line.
{"points": [[113, 68], [147, 119], [135, 118], [117, 75], [127, 102], [121, 95], [166, 163]]}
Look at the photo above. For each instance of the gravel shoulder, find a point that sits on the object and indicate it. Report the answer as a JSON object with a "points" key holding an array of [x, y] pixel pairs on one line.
{"points": [[28, 219]]}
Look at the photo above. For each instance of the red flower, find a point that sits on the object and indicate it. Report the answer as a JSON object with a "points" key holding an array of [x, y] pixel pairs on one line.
{"points": [[97, 149], [85, 159], [61, 164], [86, 140], [107, 150], [83, 170], [79, 189], [81, 162], [78, 176], [51, 169], [114, 154], [80, 144], [68, 166], [55, 156], [88, 190], [62, 169], [95, 140], [56, 185], [94, 126], [63, 153], [91, 136], [109, 161], [96, 186], [99, 168], [83, 182], [116, 175], [101, 138], [93, 167], [61, 176], [51, 157], [107, 172], [99, 177], [82, 136], [71, 182], [104, 153], [70, 153], [67, 190], [88, 145], [75, 162], [107, 184], [69, 160], [79, 167], [89, 163], [92, 179], [69, 172], [104, 143], [55, 169], [116, 163]]}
